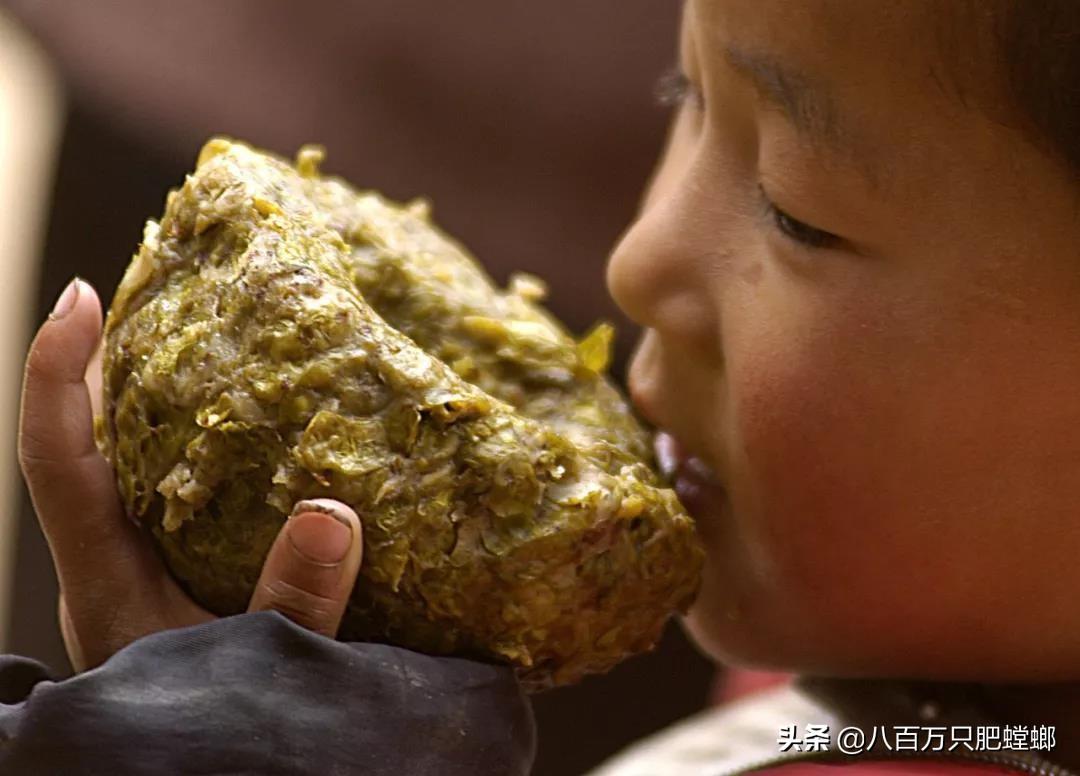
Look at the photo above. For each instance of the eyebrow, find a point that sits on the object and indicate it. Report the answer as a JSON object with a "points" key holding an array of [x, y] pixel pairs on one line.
{"points": [[808, 105]]}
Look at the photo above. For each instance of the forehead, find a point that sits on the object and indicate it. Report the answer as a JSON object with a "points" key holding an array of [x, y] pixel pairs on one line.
{"points": [[830, 31], [946, 48], [886, 80]]}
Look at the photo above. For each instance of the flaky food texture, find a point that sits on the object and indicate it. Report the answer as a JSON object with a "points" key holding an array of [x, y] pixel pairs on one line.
{"points": [[281, 336]]}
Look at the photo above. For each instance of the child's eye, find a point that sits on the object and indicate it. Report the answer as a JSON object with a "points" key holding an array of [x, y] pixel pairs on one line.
{"points": [[675, 89], [796, 230]]}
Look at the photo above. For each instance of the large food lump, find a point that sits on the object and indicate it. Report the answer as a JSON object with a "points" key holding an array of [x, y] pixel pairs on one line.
{"points": [[281, 336]]}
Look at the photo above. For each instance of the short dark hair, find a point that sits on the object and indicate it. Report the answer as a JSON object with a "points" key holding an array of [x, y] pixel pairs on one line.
{"points": [[1039, 46]]}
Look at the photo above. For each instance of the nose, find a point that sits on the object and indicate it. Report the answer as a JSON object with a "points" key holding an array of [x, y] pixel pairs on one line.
{"points": [[658, 274]]}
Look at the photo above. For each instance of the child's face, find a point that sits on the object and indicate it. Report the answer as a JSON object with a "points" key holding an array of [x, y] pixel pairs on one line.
{"points": [[885, 381]]}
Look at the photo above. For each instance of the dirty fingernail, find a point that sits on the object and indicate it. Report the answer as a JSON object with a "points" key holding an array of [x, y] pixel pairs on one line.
{"points": [[324, 505], [65, 303], [320, 537]]}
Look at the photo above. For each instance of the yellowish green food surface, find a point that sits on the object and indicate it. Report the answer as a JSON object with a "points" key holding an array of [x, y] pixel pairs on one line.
{"points": [[280, 335]]}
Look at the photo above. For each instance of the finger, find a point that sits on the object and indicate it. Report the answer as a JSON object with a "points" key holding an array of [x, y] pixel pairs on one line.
{"points": [[312, 566], [94, 377], [70, 483], [70, 637], [114, 588]]}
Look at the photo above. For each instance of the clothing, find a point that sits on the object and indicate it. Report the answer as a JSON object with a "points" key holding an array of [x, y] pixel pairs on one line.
{"points": [[256, 694], [746, 734]]}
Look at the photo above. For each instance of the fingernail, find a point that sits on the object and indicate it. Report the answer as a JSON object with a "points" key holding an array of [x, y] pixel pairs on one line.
{"points": [[324, 505], [320, 536], [65, 303]]}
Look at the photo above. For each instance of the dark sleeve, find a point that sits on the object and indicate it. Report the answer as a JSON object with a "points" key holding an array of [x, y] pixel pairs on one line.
{"points": [[257, 694]]}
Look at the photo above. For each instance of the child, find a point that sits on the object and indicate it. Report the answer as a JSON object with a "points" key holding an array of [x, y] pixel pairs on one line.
{"points": [[858, 271]]}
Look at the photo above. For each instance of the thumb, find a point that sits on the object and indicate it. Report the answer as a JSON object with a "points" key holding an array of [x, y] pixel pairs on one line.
{"points": [[70, 483], [311, 568]]}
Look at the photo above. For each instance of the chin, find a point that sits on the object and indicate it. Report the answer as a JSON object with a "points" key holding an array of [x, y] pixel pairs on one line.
{"points": [[702, 637], [723, 634], [734, 633]]}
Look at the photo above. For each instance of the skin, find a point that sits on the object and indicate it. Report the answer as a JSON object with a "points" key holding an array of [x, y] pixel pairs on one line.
{"points": [[890, 419], [114, 588]]}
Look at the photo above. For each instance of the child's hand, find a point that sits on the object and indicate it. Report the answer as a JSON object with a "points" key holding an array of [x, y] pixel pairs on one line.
{"points": [[113, 587]]}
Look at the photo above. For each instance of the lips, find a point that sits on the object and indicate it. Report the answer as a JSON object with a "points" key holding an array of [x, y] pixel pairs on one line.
{"points": [[696, 485]]}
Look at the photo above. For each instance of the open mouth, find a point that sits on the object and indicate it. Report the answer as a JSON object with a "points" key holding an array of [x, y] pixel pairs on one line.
{"points": [[695, 483]]}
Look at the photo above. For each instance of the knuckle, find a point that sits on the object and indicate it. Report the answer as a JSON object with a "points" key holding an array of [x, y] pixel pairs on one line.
{"points": [[34, 439], [38, 465], [45, 366], [60, 477], [39, 367], [304, 607], [51, 442]]}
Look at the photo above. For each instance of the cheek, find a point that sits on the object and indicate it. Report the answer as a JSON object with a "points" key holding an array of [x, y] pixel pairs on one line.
{"points": [[879, 476], [822, 480], [801, 468]]}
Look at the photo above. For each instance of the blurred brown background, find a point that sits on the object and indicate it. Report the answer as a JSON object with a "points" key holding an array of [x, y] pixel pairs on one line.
{"points": [[531, 126]]}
